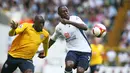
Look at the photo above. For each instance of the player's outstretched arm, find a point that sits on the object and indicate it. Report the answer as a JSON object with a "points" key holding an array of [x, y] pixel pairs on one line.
{"points": [[14, 25], [43, 53], [78, 25], [46, 46]]}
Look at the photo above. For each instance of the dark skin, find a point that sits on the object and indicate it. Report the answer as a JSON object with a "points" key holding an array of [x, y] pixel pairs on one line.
{"points": [[38, 26], [64, 14], [38, 23], [64, 18]]}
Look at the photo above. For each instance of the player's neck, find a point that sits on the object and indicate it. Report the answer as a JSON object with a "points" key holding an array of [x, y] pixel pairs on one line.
{"points": [[37, 28], [68, 17]]}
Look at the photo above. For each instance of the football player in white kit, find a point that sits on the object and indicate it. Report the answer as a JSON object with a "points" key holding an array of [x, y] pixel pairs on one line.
{"points": [[71, 28]]}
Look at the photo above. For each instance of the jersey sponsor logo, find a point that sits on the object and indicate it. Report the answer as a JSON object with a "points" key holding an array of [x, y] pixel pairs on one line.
{"points": [[71, 38], [67, 35], [41, 36]]}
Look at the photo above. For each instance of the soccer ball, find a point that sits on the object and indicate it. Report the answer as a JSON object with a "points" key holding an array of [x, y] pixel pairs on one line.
{"points": [[99, 30]]}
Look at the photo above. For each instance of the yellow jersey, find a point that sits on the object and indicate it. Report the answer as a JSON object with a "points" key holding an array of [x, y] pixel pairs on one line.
{"points": [[96, 54], [26, 44]]}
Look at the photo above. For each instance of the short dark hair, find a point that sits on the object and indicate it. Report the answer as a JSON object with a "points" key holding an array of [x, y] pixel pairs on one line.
{"points": [[42, 20], [60, 8]]}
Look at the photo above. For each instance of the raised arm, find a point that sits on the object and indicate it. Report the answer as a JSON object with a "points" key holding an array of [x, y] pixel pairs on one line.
{"points": [[14, 25], [80, 25], [17, 29]]}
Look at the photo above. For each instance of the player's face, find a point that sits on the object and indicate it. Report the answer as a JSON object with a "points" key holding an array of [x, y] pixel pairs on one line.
{"points": [[64, 13], [39, 21]]}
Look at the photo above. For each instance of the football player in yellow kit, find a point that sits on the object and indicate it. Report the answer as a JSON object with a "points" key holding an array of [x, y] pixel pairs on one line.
{"points": [[25, 45], [96, 59]]}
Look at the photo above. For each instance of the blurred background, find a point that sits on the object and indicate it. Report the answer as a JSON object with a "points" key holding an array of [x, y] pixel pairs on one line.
{"points": [[114, 14]]}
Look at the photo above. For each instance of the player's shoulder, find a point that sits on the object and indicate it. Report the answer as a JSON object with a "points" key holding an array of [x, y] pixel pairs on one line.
{"points": [[59, 25], [45, 32], [26, 24], [74, 16]]}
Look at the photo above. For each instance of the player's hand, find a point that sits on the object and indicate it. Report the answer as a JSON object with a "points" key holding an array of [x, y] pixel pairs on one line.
{"points": [[64, 21], [14, 25], [41, 54]]}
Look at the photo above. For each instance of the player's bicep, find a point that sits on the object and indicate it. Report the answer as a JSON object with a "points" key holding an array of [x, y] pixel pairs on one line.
{"points": [[46, 45], [46, 40], [20, 28]]}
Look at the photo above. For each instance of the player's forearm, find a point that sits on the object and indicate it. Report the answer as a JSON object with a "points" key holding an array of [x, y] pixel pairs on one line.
{"points": [[12, 32], [46, 49], [51, 42], [78, 25]]}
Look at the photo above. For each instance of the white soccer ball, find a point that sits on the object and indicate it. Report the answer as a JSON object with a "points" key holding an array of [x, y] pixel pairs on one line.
{"points": [[99, 30]]}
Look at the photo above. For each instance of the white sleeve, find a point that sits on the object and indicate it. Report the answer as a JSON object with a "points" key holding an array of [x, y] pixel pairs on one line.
{"points": [[56, 34], [78, 20]]}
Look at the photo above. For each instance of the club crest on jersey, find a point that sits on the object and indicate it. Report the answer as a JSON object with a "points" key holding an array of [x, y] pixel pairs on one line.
{"points": [[20, 26], [41, 36], [67, 35]]}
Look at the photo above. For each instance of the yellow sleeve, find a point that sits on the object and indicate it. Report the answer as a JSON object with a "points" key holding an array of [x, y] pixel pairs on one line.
{"points": [[18, 30], [21, 28], [46, 45], [12, 32]]}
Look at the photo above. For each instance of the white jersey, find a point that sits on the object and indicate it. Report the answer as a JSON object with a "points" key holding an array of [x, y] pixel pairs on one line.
{"points": [[76, 39]]}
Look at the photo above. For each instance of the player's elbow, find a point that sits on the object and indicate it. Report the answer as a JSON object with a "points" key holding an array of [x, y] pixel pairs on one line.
{"points": [[84, 27]]}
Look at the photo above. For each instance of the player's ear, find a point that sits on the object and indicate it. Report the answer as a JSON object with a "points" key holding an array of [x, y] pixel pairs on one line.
{"points": [[59, 13]]}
